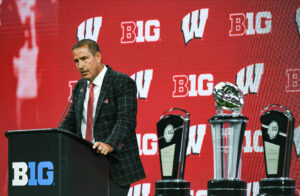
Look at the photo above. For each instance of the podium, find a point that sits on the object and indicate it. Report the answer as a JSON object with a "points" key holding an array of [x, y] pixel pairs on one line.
{"points": [[54, 162]]}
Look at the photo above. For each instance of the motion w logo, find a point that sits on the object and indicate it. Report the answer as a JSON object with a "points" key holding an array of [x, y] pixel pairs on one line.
{"points": [[89, 29], [193, 25], [143, 80], [249, 81]]}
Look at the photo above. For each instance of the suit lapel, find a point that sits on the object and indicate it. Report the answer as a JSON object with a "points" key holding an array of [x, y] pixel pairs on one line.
{"points": [[82, 91], [104, 88]]}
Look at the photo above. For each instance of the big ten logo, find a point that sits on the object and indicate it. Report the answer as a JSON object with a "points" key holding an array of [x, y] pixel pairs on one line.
{"points": [[248, 79], [143, 81], [140, 189], [140, 31], [293, 80], [33, 173], [192, 86], [89, 29], [193, 25], [253, 142], [148, 142], [250, 24]]}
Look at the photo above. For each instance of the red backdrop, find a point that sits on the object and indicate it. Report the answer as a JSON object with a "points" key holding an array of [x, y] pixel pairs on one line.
{"points": [[175, 51]]}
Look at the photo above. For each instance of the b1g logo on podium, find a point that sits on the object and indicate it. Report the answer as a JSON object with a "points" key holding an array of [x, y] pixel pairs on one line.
{"points": [[33, 173]]}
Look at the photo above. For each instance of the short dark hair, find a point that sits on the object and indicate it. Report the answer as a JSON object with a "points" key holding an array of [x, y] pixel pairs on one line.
{"points": [[93, 46]]}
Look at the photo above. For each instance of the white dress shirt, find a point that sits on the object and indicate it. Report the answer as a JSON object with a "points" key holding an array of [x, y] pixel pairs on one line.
{"points": [[97, 89]]}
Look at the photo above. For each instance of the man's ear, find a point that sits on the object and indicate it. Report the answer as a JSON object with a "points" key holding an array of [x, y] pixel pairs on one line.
{"points": [[98, 57]]}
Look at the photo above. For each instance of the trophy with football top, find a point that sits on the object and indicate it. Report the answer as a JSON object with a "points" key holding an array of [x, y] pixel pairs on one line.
{"points": [[172, 132], [227, 128], [277, 124]]}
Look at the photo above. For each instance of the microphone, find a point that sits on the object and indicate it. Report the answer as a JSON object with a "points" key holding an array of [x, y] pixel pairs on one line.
{"points": [[64, 111]]}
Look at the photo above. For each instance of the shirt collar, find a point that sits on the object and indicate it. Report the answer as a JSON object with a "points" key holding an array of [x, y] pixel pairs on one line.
{"points": [[98, 80]]}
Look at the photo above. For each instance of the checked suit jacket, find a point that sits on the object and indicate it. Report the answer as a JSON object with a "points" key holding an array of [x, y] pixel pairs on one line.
{"points": [[114, 123]]}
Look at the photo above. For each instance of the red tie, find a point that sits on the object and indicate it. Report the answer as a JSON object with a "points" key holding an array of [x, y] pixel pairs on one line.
{"points": [[89, 123]]}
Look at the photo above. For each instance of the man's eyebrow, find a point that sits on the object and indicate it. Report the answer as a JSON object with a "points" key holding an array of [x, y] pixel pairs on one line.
{"points": [[83, 57]]}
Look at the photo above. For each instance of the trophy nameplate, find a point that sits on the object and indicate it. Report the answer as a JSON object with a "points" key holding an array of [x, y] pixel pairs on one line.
{"points": [[272, 156], [167, 160]]}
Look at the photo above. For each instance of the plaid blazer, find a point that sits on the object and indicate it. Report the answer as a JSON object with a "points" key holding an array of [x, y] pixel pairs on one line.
{"points": [[114, 123]]}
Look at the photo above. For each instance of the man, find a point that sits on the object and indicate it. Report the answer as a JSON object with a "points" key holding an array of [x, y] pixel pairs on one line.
{"points": [[103, 111]]}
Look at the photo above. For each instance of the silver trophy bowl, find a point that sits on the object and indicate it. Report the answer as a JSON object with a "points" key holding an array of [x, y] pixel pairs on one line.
{"points": [[228, 97]]}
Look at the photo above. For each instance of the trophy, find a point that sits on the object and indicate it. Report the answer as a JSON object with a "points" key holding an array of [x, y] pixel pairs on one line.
{"points": [[227, 128], [277, 124], [172, 132]]}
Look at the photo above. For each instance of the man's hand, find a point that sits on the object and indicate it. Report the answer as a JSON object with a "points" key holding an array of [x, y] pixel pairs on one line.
{"points": [[102, 148]]}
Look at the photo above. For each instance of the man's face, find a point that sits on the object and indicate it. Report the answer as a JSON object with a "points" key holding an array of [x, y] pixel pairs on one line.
{"points": [[89, 66]]}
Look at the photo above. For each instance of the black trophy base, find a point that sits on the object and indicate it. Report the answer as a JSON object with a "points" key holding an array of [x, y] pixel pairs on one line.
{"points": [[226, 187], [172, 188], [277, 186]]}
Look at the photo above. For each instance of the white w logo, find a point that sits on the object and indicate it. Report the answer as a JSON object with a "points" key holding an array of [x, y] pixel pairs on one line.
{"points": [[89, 29], [250, 81], [143, 80], [191, 27]]}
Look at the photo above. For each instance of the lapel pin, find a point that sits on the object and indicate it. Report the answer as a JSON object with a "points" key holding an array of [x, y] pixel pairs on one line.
{"points": [[106, 100], [81, 90]]}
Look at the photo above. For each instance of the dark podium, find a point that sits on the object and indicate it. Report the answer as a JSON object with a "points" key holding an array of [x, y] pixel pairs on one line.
{"points": [[54, 162]]}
